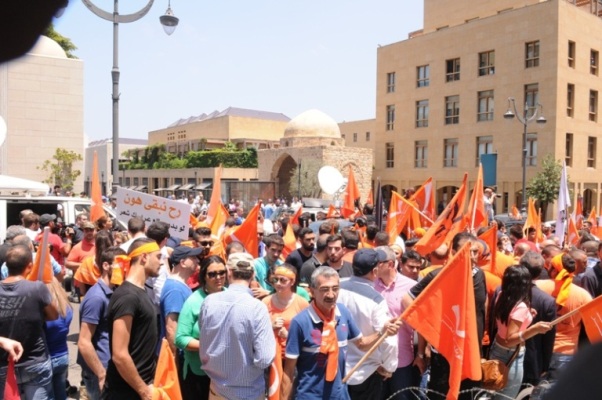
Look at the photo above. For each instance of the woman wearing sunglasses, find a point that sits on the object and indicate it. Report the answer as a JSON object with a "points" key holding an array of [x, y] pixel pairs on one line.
{"points": [[285, 303], [212, 276]]}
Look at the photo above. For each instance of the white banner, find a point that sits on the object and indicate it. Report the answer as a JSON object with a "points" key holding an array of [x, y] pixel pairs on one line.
{"points": [[564, 202], [131, 203]]}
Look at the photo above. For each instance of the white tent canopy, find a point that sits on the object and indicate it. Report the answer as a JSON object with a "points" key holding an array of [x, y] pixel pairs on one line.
{"points": [[12, 184]]}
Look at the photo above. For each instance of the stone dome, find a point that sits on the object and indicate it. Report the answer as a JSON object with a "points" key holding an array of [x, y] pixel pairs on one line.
{"points": [[312, 123], [48, 48]]}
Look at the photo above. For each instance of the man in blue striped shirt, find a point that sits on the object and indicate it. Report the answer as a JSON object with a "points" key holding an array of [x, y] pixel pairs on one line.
{"points": [[236, 339]]}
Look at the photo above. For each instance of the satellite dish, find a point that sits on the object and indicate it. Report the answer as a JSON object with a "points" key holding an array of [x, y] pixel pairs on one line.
{"points": [[2, 131], [330, 179]]}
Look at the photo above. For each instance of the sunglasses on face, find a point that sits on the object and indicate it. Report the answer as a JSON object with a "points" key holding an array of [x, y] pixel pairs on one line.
{"points": [[215, 274], [206, 243], [279, 279]]}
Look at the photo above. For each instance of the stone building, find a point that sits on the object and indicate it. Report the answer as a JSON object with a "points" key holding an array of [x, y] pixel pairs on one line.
{"points": [[313, 139]]}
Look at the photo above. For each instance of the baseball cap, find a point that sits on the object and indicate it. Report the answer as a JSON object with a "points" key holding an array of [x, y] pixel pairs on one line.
{"points": [[240, 262], [365, 260], [45, 219], [182, 252], [87, 225]]}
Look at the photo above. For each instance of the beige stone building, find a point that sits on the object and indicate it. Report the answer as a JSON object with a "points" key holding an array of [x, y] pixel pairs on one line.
{"points": [[313, 139], [359, 133], [41, 100], [244, 127], [442, 95]]}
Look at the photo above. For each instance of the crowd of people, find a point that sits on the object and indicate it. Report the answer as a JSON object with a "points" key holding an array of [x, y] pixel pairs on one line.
{"points": [[275, 326]]}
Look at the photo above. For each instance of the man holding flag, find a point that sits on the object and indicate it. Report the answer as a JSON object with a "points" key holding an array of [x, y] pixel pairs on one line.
{"points": [[442, 373]]}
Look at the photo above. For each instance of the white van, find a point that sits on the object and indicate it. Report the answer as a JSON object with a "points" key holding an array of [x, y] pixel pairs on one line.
{"points": [[10, 206]]}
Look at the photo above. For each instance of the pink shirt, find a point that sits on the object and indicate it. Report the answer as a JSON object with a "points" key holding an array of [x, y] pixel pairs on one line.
{"points": [[520, 313]]}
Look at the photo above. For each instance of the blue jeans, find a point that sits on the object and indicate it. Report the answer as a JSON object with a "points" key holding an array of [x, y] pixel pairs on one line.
{"points": [[91, 384], [60, 367], [34, 381], [515, 371]]}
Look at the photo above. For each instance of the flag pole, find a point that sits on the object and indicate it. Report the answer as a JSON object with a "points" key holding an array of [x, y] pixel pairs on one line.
{"points": [[418, 211], [570, 314]]}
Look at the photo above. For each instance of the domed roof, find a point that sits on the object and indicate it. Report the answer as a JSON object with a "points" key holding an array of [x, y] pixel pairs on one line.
{"points": [[312, 123], [48, 48]]}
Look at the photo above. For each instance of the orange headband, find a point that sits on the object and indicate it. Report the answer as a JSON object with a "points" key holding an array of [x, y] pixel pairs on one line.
{"points": [[556, 262], [284, 272], [119, 273]]}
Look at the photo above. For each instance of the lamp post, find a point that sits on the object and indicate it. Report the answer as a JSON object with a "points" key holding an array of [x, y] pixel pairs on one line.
{"points": [[169, 22], [525, 120]]}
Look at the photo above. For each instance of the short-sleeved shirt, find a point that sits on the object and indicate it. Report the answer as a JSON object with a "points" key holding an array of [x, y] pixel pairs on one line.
{"points": [[56, 334], [131, 300], [57, 244], [94, 310], [22, 318], [346, 271], [296, 259], [261, 272], [304, 338], [520, 313], [82, 250], [287, 314], [173, 296]]}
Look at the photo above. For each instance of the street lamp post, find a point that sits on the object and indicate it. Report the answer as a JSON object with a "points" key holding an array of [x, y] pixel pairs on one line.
{"points": [[169, 22], [525, 120]]}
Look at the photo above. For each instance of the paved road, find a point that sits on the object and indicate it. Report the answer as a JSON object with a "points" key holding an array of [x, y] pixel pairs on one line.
{"points": [[75, 371]]}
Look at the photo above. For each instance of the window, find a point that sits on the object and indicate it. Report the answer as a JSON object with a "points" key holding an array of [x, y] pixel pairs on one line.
{"points": [[487, 63], [532, 97], [571, 54], [390, 82], [484, 146], [570, 99], [591, 152], [531, 149], [450, 157], [568, 155], [422, 76], [390, 117], [390, 155], [452, 70], [593, 62], [354, 137], [421, 152], [367, 136], [485, 110], [593, 105], [343, 135], [452, 110], [422, 114], [532, 54]]}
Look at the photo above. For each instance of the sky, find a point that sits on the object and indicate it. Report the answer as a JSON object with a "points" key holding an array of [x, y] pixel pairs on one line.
{"points": [[284, 56]]}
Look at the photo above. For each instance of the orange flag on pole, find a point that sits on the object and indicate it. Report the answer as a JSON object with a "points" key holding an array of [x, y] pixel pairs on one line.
{"points": [[290, 241], [593, 219], [276, 373], [476, 205], [399, 212], [515, 214], [425, 198], [216, 195], [96, 210], [533, 220], [591, 315], [352, 193], [42, 265], [490, 238], [444, 313], [578, 213], [246, 233], [219, 219], [295, 218], [166, 385], [450, 221], [332, 212], [369, 199], [572, 232]]}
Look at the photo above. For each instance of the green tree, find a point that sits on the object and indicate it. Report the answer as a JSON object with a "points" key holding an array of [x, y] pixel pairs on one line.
{"points": [[60, 168], [310, 187], [63, 41], [545, 185]]}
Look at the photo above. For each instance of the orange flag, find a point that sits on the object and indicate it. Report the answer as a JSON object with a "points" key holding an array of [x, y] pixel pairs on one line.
{"points": [[444, 313], [219, 219], [352, 193], [449, 222], [216, 195], [591, 315], [533, 220], [246, 233], [476, 205], [593, 219], [515, 214], [425, 198], [290, 241], [166, 384], [192, 220], [578, 213], [332, 212], [572, 232], [399, 212], [369, 199], [96, 210], [490, 238], [295, 218], [42, 266], [276, 373]]}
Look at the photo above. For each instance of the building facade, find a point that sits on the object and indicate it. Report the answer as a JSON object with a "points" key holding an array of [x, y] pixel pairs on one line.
{"points": [[443, 92]]}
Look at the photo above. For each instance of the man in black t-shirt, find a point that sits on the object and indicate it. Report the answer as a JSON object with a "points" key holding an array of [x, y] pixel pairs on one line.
{"points": [[133, 333], [307, 237], [439, 381]]}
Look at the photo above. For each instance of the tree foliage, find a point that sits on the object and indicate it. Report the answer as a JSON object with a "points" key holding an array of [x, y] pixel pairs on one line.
{"points": [[60, 168], [546, 184], [65, 43]]}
